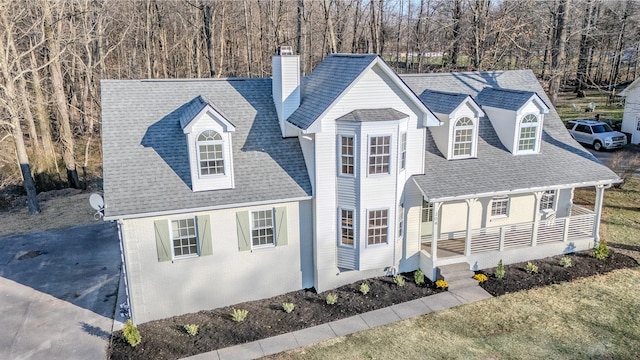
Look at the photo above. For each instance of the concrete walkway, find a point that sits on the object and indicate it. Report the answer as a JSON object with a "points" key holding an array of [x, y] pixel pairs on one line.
{"points": [[316, 334]]}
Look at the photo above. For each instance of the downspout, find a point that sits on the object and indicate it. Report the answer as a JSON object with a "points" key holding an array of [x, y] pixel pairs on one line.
{"points": [[125, 308]]}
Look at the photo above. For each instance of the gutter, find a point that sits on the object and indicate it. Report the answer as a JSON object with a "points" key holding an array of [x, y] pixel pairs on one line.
{"points": [[203, 208]]}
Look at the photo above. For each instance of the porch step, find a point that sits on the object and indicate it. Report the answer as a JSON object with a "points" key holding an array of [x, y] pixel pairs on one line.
{"points": [[458, 276]]}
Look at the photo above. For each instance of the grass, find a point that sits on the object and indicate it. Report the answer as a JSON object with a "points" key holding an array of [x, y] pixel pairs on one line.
{"points": [[591, 318], [599, 97]]}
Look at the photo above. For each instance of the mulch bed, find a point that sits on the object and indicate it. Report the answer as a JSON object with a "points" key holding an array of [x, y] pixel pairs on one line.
{"points": [[167, 339], [550, 271]]}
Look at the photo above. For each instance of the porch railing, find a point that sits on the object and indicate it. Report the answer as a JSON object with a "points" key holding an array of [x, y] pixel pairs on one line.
{"points": [[577, 226]]}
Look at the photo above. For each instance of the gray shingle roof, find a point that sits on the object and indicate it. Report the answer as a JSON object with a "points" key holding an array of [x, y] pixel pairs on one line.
{"points": [[327, 81], [562, 161], [442, 102], [189, 110], [361, 115], [509, 99], [146, 166]]}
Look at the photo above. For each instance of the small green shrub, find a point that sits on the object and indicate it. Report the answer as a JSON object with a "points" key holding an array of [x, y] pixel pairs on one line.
{"points": [[191, 329], [288, 307], [480, 278], [418, 277], [601, 251], [565, 262], [331, 298], [501, 272], [239, 315], [131, 333], [364, 288], [441, 284], [531, 268], [399, 280]]}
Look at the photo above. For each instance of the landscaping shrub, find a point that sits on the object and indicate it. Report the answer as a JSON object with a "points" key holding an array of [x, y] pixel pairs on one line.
{"points": [[565, 261], [399, 280], [131, 333], [601, 251], [288, 307], [364, 288], [480, 278], [191, 329], [441, 284], [531, 268], [331, 298], [418, 277], [501, 272], [239, 315]]}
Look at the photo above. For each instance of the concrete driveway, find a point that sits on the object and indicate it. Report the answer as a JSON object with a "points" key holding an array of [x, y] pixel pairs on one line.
{"points": [[58, 292]]}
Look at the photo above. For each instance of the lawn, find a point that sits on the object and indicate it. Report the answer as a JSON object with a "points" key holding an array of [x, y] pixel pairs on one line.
{"points": [[595, 317], [567, 111]]}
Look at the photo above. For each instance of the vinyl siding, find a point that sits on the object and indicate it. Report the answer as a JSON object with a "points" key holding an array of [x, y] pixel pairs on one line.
{"points": [[163, 289], [504, 123], [631, 115]]}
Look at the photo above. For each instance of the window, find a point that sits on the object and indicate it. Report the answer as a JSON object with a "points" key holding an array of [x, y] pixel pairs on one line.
{"points": [[262, 228], [528, 133], [346, 155], [499, 206], [346, 227], [377, 227], [184, 238], [427, 211], [463, 138], [547, 200], [403, 151], [400, 221], [638, 125], [379, 154], [210, 154], [583, 129]]}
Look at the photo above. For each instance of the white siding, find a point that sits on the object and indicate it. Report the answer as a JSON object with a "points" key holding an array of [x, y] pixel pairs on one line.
{"points": [[564, 201], [285, 88], [229, 276], [504, 123], [307, 144], [412, 220], [631, 115], [440, 134]]}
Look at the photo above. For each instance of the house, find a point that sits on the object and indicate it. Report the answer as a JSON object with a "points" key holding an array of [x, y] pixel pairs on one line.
{"points": [[631, 116], [231, 190]]}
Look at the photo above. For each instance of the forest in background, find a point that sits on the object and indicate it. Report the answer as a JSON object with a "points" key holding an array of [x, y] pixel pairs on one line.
{"points": [[53, 54]]}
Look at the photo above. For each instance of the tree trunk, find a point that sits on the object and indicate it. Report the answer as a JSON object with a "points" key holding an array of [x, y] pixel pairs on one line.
{"points": [[457, 16], [585, 45], [558, 49], [55, 68]]}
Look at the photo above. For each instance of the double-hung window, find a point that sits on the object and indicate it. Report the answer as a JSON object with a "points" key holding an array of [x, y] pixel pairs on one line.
{"points": [[548, 199], [262, 228], [499, 206], [528, 133], [463, 138], [377, 227], [379, 154], [347, 162], [427, 211], [346, 227], [184, 237], [210, 153]]}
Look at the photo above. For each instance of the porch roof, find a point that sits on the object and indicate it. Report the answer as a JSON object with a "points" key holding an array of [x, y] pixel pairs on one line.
{"points": [[561, 163]]}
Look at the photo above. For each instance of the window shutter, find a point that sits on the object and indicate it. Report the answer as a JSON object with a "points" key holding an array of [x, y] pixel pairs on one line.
{"points": [[204, 235], [281, 226], [244, 235], [163, 240]]}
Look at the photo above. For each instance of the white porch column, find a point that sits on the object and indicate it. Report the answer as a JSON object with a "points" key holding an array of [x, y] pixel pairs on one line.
{"points": [[436, 231], [536, 218], [598, 211], [467, 243]]}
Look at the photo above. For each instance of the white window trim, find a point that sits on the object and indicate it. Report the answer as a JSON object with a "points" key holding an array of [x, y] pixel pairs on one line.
{"points": [[430, 209], [507, 206], [536, 139], [273, 229], [553, 203], [403, 151], [367, 231], [222, 143], [474, 131], [353, 227], [390, 155], [173, 251], [354, 156]]}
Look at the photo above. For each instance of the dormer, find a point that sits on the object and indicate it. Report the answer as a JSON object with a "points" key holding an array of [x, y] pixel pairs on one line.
{"points": [[457, 138], [208, 134], [516, 116]]}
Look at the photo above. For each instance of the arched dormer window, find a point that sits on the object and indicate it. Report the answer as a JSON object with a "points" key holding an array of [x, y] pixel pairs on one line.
{"points": [[528, 133], [463, 138], [210, 153]]}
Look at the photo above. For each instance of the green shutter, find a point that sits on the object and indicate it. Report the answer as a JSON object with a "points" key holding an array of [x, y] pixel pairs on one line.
{"points": [[163, 240], [204, 235], [281, 226], [244, 236]]}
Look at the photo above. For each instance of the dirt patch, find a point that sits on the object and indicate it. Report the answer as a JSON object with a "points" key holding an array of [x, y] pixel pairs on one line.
{"points": [[167, 339], [550, 271]]}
